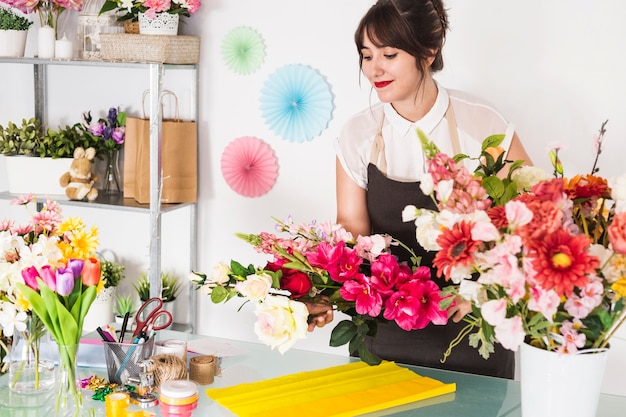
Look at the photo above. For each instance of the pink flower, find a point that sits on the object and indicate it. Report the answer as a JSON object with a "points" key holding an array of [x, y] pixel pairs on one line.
{"points": [[510, 333], [617, 233], [193, 5], [329, 258], [415, 304], [49, 276], [494, 311], [30, 276], [368, 301], [156, 6]]}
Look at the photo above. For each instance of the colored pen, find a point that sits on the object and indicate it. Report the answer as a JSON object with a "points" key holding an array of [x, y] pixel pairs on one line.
{"points": [[138, 340], [124, 324], [104, 335]]}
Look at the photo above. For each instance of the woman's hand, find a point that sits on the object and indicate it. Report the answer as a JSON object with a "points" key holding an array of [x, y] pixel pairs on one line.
{"points": [[459, 309], [320, 313]]}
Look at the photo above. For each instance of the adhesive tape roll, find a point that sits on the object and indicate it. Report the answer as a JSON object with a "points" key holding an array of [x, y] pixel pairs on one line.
{"points": [[179, 388], [116, 404], [174, 347]]}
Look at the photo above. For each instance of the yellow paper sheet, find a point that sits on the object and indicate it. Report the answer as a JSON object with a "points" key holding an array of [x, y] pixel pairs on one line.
{"points": [[339, 391]]}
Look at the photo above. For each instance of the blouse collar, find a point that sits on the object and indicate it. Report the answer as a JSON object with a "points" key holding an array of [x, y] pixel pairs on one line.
{"points": [[427, 123]]}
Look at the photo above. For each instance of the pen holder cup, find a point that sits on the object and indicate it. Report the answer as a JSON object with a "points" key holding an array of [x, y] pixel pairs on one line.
{"points": [[123, 359]]}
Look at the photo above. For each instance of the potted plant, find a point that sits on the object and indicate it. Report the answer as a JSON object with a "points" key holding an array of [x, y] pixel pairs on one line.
{"points": [[124, 303], [151, 17], [22, 144], [170, 287], [13, 31]]}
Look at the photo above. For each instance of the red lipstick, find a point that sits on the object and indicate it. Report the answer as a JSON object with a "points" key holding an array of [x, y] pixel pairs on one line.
{"points": [[381, 84]]}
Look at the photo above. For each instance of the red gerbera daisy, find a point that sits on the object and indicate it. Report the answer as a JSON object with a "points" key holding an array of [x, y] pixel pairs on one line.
{"points": [[457, 247], [562, 261]]}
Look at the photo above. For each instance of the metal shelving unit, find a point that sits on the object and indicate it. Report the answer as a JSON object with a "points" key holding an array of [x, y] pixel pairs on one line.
{"points": [[156, 73]]}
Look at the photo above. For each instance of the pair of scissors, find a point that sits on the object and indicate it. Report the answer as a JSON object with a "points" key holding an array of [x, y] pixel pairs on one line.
{"points": [[153, 318]]}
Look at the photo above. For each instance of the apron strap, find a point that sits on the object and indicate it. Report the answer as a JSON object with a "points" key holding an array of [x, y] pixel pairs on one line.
{"points": [[378, 158]]}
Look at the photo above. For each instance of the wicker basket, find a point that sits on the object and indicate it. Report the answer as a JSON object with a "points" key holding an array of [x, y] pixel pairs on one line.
{"points": [[150, 48], [131, 27]]}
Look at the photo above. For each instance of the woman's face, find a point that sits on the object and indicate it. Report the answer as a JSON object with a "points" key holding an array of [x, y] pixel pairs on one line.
{"points": [[392, 72]]}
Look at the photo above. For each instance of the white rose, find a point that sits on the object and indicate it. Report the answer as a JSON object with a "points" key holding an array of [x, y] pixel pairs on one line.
{"points": [[281, 322], [219, 274], [618, 192], [527, 176], [255, 287]]}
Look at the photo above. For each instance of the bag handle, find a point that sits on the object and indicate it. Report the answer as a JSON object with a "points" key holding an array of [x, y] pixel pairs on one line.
{"points": [[163, 94]]}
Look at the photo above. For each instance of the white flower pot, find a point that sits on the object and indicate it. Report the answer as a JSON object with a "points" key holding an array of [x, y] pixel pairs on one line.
{"points": [[12, 43], [101, 311], [162, 24], [561, 385], [32, 174]]}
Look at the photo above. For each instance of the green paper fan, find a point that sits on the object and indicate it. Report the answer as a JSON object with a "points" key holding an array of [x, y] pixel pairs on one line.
{"points": [[243, 50]]}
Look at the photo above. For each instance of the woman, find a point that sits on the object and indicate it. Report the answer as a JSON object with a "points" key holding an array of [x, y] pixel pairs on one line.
{"points": [[380, 161]]}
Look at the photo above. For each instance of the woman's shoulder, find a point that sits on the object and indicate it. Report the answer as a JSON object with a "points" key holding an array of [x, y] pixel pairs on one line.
{"points": [[472, 106], [365, 121]]}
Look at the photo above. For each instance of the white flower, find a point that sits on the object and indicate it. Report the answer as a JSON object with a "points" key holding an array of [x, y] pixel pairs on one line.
{"points": [[527, 176], [410, 213], [11, 320], [618, 192], [281, 322], [427, 184], [219, 273], [444, 190], [427, 230], [255, 287]]}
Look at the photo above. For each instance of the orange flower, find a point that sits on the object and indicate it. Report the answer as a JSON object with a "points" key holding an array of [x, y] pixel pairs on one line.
{"points": [[91, 272], [587, 187]]}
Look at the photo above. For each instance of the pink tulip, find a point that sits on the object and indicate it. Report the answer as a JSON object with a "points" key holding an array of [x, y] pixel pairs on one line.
{"points": [[49, 276], [30, 276]]}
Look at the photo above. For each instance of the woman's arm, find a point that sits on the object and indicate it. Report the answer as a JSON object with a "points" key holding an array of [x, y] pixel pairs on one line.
{"points": [[351, 204]]}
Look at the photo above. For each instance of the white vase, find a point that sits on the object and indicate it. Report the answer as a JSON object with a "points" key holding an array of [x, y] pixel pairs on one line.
{"points": [[12, 43], [561, 385], [46, 38], [162, 24], [101, 311], [32, 174]]}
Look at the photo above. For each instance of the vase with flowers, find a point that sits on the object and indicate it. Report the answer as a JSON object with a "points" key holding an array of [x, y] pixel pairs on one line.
{"points": [[541, 258], [108, 135], [55, 274], [49, 12], [323, 264], [155, 17]]}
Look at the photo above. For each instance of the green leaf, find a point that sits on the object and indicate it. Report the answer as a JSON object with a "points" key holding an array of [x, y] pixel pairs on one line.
{"points": [[492, 141], [343, 333], [219, 294], [494, 186], [240, 270], [367, 356], [69, 334]]}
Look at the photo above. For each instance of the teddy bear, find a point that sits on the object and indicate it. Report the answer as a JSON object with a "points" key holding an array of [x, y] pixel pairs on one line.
{"points": [[79, 181]]}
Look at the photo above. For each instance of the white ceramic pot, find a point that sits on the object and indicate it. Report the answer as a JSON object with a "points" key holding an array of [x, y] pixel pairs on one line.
{"points": [[12, 43], [162, 24], [561, 385], [46, 38], [101, 311], [32, 174]]}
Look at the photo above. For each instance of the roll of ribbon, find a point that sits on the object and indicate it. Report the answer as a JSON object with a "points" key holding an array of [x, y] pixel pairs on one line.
{"points": [[202, 369], [178, 398], [116, 404]]}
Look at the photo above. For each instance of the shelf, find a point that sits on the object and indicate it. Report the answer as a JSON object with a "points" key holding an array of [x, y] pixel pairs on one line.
{"points": [[112, 201], [93, 63]]}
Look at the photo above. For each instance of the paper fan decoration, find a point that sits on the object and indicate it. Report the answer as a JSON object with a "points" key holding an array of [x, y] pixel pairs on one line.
{"points": [[243, 50], [249, 166], [296, 103]]}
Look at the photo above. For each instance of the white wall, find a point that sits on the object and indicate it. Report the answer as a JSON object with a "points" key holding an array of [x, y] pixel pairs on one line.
{"points": [[555, 68]]}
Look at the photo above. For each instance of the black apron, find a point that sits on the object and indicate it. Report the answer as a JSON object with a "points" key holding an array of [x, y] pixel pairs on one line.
{"points": [[386, 199]]}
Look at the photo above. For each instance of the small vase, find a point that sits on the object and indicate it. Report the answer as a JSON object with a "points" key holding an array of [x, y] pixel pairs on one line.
{"points": [[69, 399], [162, 24], [31, 359], [45, 42], [561, 385], [111, 182]]}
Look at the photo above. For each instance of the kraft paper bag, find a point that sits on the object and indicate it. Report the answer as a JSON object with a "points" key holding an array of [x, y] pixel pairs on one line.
{"points": [[179, 170]]}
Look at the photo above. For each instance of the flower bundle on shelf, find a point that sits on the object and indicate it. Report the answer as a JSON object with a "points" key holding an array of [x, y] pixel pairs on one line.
{"points": [[324, 264], [541, 258], [49, 11], [130, 9]]}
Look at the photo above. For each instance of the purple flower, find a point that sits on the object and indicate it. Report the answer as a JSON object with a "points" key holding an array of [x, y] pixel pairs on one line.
{"points": [[65, 281], [76, 266], [119, 134], [106, 133], [112, 117], [96, 128]]}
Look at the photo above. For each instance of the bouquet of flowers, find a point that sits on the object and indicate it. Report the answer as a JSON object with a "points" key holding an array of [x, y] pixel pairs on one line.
{"points": [[108, 133], [132, 8], [543, 265], [324, 264], [49, 271], [49, 11]]}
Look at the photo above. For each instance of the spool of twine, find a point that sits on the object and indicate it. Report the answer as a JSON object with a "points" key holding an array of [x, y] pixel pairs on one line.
{"points": [[168, 368], [202, 369]]}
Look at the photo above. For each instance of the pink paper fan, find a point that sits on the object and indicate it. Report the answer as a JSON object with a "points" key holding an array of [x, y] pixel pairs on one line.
{"points": [[249, 166]]}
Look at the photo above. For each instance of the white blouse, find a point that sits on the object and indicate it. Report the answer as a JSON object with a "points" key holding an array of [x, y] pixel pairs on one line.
{"points": [[475, 121]]}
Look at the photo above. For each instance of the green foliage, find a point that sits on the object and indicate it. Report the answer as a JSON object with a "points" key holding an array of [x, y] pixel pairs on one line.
{"points": [[112, 273], [124, 304], [30, 139], [10, 20], [170, 287]]}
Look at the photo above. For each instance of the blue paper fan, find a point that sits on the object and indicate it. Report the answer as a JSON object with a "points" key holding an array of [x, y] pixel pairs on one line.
{"points": [[243, 50], [296, 103]]}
